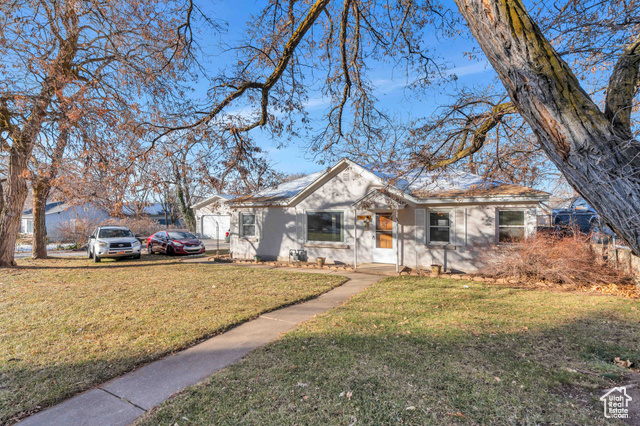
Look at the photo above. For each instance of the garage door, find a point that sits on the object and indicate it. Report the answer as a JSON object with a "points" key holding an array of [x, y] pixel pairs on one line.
{"points": [[215, 226]]}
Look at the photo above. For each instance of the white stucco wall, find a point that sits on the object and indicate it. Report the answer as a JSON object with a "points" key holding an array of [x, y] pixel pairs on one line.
{"points": [[280, 229]]}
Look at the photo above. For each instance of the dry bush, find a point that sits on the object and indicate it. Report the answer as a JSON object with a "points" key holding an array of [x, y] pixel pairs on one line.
{"points": [[143, 226], [84, 227], [552, 259], [80, 229]]}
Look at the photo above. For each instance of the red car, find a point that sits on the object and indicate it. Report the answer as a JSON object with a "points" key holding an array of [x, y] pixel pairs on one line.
{"points": [[174, 242]]}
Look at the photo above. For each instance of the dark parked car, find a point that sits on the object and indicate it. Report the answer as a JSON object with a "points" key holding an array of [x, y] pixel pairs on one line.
{"points": [[174, 242]]}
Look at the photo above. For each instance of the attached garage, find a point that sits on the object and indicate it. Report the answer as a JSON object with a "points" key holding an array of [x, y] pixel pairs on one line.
{"points": [[214, 226], [213, 217]]}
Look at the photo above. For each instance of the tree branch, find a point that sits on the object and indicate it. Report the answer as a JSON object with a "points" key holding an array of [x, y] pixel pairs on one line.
{"points": [[622, 88], [479, 135]]}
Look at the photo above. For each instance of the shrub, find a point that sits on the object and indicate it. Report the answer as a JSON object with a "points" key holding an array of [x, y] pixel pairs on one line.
{"points": [[553, 259], [80, 229], [143, 226]]}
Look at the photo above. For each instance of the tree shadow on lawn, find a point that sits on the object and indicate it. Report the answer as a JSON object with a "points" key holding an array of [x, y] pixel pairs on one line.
{"points": [[29, 389], [84, 263], [29, 384], [339, 375]]}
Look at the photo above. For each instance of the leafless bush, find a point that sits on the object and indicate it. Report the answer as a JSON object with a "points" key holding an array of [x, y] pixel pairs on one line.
{"points": [[552, 259], [80, 229], [142, 226]]}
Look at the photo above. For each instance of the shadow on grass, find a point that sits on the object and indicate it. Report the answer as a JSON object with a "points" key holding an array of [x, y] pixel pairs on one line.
{"points": [[28, 386], [377, 376], [84, 263]]}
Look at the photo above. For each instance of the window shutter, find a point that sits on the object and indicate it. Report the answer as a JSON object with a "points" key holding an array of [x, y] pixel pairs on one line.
{"points": [[530, 222], [235, 223], [420, 226], [300, 228], [259, 224], [460, 224]]}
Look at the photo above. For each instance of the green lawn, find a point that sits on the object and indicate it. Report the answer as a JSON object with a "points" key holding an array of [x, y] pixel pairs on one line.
{"points": [[67, 325], [427, 351]]}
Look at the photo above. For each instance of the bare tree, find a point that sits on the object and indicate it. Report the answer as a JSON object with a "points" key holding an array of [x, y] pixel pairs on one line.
{"points": [[67, 51], [594, 149]]}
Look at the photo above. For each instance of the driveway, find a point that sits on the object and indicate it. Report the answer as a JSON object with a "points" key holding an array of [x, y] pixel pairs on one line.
{"points": [[208, 243], [215, 244], [53, 253]]}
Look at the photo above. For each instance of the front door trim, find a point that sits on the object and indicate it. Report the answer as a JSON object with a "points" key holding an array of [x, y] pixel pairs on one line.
{"points": [[388, 254]]}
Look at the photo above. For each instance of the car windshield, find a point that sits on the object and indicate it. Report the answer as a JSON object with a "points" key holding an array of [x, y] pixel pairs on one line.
{"points": [[179, 235], [115, 233]]}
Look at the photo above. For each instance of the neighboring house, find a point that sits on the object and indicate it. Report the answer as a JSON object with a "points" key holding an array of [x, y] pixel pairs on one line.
{"points": [[213, 216], [156, 211], [352, 214], [59, 214]]}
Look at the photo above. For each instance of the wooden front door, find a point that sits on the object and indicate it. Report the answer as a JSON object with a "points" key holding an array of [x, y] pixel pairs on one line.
{"points": [[384, 239]]}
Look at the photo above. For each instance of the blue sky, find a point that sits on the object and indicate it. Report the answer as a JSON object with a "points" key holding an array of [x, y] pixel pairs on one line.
{"points": [[391, 92]]}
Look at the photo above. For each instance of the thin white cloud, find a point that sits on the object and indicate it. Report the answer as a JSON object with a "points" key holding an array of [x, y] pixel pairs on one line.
{"points": [[386, 86], [477, 68]]}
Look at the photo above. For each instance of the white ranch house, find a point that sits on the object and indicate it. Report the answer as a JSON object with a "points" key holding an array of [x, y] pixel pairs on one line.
{"points": [[351, 214]]}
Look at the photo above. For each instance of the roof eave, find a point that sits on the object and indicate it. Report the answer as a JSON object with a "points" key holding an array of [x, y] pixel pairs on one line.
{"points": [[208, 201], [485, 199]]}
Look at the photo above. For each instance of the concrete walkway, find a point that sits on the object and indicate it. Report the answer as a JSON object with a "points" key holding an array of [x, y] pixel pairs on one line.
{"points": [[124, 399]]}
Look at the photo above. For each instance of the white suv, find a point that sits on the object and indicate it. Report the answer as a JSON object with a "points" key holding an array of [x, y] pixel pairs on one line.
{"points": [[113, 241]]}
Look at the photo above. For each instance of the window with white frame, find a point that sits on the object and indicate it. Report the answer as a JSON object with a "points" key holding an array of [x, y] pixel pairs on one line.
{"points": [[325, 226], [248, 224], [439, 227], [511, 228]]}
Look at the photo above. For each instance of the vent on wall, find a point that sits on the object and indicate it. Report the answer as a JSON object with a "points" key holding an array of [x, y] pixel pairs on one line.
{"points": [[346, 176]]}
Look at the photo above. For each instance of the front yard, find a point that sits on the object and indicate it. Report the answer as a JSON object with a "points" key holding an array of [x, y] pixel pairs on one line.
{"points": [[69, 324], [427, 351]]}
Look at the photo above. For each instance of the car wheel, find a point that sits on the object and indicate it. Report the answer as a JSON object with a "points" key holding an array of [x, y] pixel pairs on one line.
{"points": [[149, 249], [137, 256], [170, 251], [96, 259]]}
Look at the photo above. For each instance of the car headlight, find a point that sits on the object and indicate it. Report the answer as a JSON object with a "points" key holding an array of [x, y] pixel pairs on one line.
{"points": [[136, 243], [102, 244], [177, 244]]}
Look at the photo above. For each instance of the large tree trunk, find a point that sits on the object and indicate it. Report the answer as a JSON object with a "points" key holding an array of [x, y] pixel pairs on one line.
{"points": [[598, 159], [15, 194], [41, 190], [23, 139]]}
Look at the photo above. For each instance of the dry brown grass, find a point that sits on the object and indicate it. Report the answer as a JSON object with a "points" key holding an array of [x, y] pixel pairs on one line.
{"points": [[69, 324], [555, 260], [422, 351]]}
